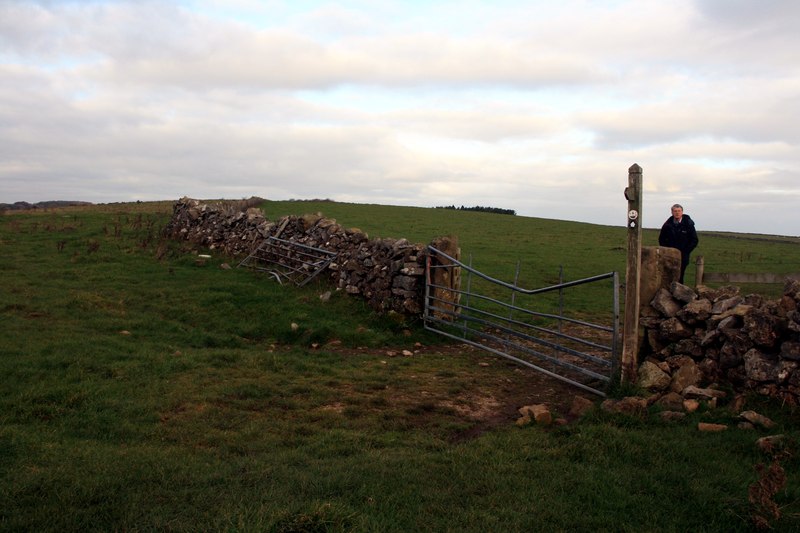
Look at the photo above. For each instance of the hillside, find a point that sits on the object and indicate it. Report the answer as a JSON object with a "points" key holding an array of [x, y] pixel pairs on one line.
{"points": [[19, 206]]}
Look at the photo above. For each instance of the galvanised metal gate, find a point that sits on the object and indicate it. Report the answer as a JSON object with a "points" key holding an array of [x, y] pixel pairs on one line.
{"points": [[576, 351]]}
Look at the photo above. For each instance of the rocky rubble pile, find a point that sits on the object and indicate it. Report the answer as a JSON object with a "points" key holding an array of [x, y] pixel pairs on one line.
{"points": [[388, 273], [697, 343], [637, 406]]}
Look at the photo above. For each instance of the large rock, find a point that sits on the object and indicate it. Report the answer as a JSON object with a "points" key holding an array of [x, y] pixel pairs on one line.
{"points": [[671, 416], [792, 288], [687, 375], [659, 267], [757, 419], [539, 412], [654, 340], [721, 306], [406, 283], [580, 406], [689, 347], [736, 376], [759, 367], [786, 305], [695, 311], [719, 293], [723, 323], [412, 306], [772, 443], [754, 300], [729, 358], [665, 303], [651, 377], [793, 321], [762, 327], [682, 293], [786, 371], [691, 405], [672, 401], [738, 338], [702, 394], [711, 370], [630, 405], [254, 213], [790, 350], [711, 428], [710, 338], [674, 330]]}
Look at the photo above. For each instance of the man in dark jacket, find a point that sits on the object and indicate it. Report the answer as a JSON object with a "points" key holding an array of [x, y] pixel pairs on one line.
{"points": [[678, 232]]}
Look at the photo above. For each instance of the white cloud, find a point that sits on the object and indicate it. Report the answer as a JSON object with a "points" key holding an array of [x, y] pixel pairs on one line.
{"points": [[535, 106]]}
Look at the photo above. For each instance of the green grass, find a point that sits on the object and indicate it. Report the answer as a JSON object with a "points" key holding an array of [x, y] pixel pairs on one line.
{"points": [[140, 391]]}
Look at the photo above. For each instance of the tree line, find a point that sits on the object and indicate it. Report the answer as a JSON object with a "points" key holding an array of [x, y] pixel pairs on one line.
{"points": [[484, 209]]}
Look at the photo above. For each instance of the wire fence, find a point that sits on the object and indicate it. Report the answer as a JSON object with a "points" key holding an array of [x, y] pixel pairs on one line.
{"points": [[720, 273]]}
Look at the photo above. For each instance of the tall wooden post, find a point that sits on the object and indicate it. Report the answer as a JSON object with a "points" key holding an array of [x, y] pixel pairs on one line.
{"points": [[630, 328]]}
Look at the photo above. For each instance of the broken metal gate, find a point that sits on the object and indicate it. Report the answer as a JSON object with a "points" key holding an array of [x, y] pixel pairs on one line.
{"points": [[288, 260], [575, 351]]}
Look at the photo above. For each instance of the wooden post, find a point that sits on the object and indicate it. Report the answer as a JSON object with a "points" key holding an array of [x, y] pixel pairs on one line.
{"points": [[630, 329], [700, 266]]}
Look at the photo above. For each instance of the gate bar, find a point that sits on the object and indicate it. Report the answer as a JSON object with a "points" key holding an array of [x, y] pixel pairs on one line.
{"points": [[543, 342], [608, 329], [524, 363]]}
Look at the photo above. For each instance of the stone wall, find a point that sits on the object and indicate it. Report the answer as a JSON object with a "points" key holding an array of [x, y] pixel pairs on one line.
{"points": [[710, 339], [388, 273]]}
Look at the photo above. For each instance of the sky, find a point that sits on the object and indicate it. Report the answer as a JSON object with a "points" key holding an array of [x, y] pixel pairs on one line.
{"points": [[536, 106]]}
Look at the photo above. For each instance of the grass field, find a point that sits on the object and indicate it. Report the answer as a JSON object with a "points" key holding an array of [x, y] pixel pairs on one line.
{"points": [[142, 391]]}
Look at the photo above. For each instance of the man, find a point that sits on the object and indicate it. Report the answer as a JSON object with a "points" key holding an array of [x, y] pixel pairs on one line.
{"points": [[678, 232]]}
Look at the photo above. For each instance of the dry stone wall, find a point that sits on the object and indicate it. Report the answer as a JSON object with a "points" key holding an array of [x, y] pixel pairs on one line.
{"points": [[696, 342], [388, 273]]}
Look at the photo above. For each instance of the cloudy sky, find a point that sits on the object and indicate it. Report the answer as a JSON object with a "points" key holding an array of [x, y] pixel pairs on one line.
{"points": [[537, 106]]}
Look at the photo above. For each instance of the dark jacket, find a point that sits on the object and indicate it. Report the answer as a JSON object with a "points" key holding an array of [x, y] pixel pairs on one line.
{"points": [[681, 236]]}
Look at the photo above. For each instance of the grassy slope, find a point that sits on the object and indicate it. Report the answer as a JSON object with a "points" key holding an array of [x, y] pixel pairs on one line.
{"points": [[142, 394]]}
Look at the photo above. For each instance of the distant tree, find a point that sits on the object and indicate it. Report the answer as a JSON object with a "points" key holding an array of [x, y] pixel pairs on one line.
{"points": [[496, 210]]}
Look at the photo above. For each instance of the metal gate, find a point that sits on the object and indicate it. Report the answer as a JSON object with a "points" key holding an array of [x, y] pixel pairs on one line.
{"points": [[578, 352], [288, 260]]}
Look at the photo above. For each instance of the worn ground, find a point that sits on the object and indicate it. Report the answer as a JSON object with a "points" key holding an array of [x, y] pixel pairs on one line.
{"points": [[485, 390]]}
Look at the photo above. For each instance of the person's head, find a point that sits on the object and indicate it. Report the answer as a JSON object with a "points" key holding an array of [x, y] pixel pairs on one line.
{"points": [[677, 211]]}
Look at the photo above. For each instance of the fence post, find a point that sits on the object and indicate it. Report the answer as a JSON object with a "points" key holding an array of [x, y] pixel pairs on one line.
{"points": [[700, 265], [630, 330], [560, 296]]}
